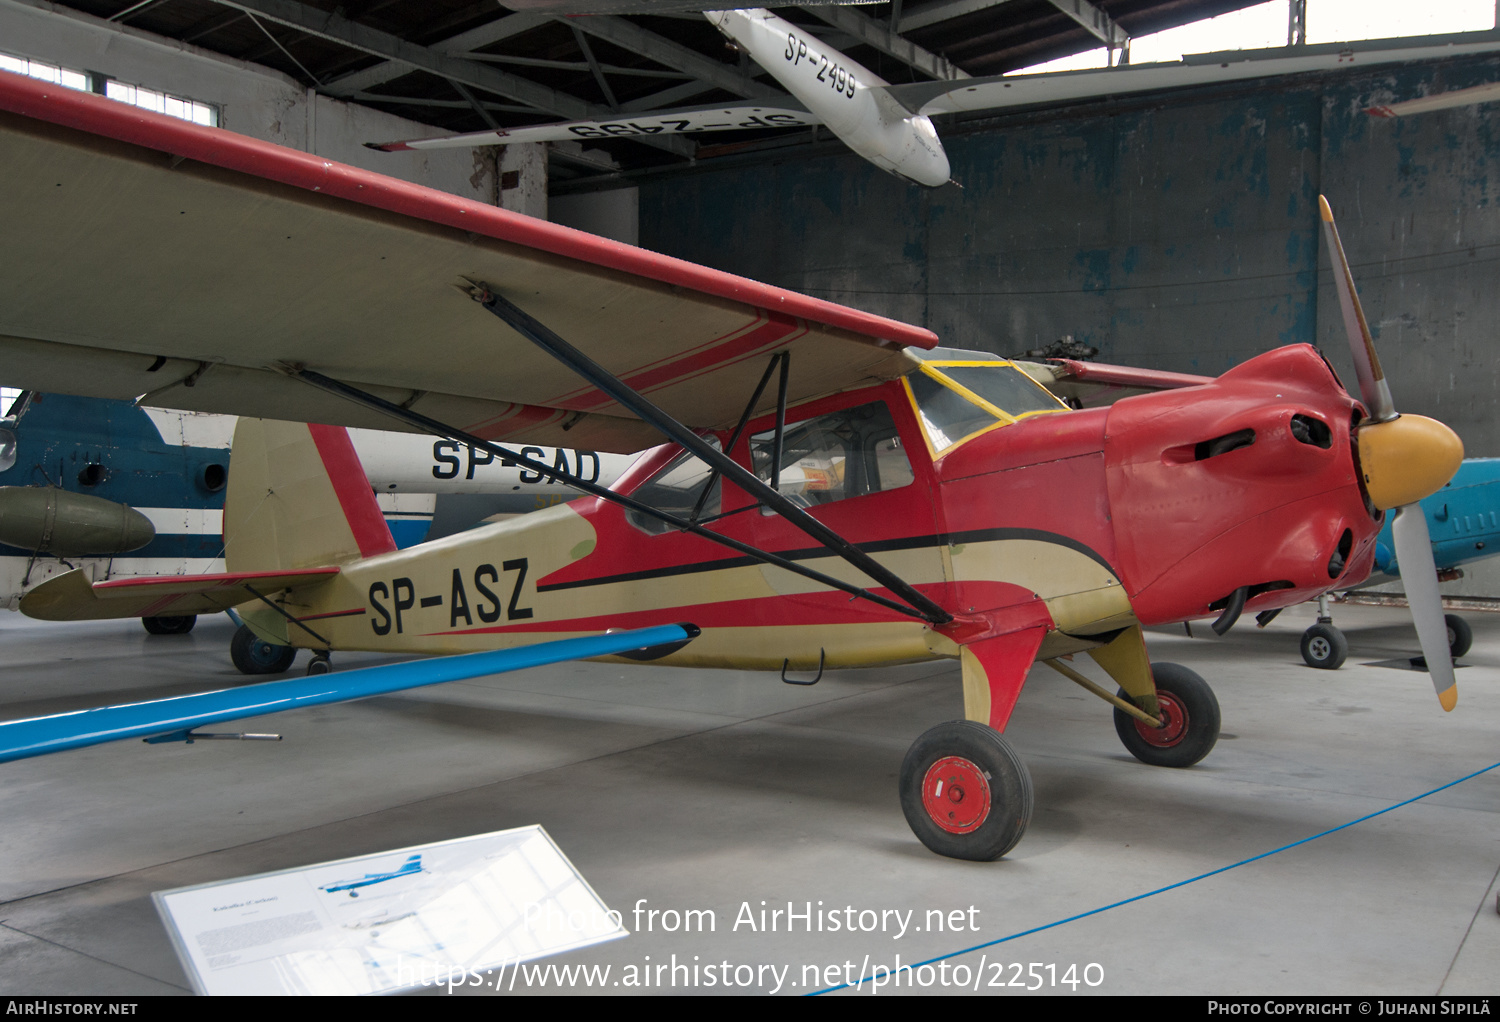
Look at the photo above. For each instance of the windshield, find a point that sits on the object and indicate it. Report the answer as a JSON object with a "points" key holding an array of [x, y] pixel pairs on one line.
{"points": [[958, 400]]}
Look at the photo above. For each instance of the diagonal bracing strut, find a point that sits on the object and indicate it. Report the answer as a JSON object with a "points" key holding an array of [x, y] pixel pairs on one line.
{"points": [[533, 330], [433, 426]]}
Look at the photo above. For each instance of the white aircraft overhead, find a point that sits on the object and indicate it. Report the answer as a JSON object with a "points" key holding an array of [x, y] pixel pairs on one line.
{"points": [[891, 126]]}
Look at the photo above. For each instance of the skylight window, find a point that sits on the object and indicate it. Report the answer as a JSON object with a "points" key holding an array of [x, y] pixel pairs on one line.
{"points": [[1265, 25], [135, 95], [46, 72], [172, 106]]}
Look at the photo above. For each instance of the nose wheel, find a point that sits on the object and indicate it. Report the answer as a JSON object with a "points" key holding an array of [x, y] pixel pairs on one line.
{"points": [[965, 792], [1324, 647]]}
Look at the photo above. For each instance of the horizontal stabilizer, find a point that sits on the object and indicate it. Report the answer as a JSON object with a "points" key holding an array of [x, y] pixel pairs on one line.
{"points": [[72, 597], [37, 736]]}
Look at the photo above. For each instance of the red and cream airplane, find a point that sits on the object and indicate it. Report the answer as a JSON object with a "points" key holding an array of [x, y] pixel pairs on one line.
{"points": [[835, 489]]}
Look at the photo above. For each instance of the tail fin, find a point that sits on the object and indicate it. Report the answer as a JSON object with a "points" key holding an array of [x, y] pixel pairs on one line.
{"points": [[298, 498]]}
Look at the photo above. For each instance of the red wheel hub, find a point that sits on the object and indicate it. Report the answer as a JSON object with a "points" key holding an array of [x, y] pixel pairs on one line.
{"points": [[1174, 718], [956, 794]]}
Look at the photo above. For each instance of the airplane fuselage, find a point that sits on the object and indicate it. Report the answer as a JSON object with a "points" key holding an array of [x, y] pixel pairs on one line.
{"points": [[846, 96], [1085, 522]]}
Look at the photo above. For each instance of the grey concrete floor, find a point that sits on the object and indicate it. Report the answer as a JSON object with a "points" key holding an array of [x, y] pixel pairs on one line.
{"points": [[716, 790]]}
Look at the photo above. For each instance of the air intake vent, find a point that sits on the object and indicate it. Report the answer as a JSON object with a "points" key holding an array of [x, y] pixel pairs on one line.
{"points": [[1311, 431], [1223, 444]]}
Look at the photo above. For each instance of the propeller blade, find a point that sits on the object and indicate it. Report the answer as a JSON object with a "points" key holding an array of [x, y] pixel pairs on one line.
{"points": [[1372, 386], [1414, 555]]}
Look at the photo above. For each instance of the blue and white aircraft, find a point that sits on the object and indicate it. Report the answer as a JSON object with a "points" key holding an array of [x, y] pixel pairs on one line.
{"points": [[1463, 519], [122, 490], [411, 866]]}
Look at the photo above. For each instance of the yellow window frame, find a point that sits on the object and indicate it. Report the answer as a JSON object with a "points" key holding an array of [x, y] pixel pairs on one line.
{"points": [[1003, 418]]}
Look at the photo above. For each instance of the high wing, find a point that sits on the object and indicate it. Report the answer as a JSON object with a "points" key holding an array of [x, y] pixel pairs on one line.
{"points": [[787, 113], [1487, 93], [202, 269], [1001, 92], [1093, 384]]}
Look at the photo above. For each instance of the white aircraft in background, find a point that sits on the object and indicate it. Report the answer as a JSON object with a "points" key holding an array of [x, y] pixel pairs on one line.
{"points": [[891, 125]]}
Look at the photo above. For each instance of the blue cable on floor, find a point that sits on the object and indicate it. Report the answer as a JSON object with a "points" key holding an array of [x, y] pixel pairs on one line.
{"points": [[1180, 883]]}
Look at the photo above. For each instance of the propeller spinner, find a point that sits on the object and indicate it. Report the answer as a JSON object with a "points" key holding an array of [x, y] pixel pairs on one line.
{"points": [[1403, 458]]}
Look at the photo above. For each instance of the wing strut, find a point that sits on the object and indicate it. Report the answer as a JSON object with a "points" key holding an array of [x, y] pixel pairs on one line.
{"points": [[784, 358], [521, 322], [427, 425]]}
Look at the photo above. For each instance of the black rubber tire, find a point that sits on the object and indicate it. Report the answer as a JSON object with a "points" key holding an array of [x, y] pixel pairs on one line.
{"points": [[1184, 698], [254, 655], [170, 625], [1460, 635], [319, 665], [1324, 647], [1007, 806]]}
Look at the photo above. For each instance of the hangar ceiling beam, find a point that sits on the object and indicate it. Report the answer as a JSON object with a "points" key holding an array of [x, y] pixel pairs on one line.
{"points": [[1099, 24], [943, 10], [453, 46], [338, 29], [630, 36], [450, 47], [870, 32]]}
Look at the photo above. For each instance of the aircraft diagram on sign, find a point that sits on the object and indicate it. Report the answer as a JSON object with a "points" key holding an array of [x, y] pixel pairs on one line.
{"points": [[891, 125], [411, 867], [119, 490], [835, 491]]}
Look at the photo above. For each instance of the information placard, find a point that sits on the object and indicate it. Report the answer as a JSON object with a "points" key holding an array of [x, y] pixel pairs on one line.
{"points": [[439, 914]]}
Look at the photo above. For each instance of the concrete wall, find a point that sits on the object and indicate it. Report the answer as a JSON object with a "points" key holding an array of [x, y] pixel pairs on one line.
{"points": [[1179, 234], [255, 101], [610, 214]]}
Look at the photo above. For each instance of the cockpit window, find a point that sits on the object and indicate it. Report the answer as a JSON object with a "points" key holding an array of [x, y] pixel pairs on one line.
{"points": [[847, 453], [957, 400], [1005, 387], [677, 490], [7, 450]]}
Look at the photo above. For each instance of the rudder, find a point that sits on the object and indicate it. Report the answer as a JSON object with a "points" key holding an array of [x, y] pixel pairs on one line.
{"points": [[298, 498]]}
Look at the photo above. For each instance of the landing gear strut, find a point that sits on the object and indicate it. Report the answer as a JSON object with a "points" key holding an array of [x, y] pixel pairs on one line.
{"points": [[965, 792], [1325, 647]]}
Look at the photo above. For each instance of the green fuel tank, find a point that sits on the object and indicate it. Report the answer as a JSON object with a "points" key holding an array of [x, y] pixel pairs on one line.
{"points": [[49, 520]]}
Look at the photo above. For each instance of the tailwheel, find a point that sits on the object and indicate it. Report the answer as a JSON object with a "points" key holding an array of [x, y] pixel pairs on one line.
{"points": [[1324, 646], [1189, 715], [254, 655], [169, 625], [965, 792]]}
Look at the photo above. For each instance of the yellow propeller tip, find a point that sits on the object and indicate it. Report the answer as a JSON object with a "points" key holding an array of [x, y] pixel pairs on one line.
{"points": [[1449, 698], [1324, 211]]}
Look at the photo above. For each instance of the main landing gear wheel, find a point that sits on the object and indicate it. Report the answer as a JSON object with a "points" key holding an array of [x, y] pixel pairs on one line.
{"points": [[169, 625], [1325, 647], [1460, 635], [254, 655], [1190, 716], [965, 792]]}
